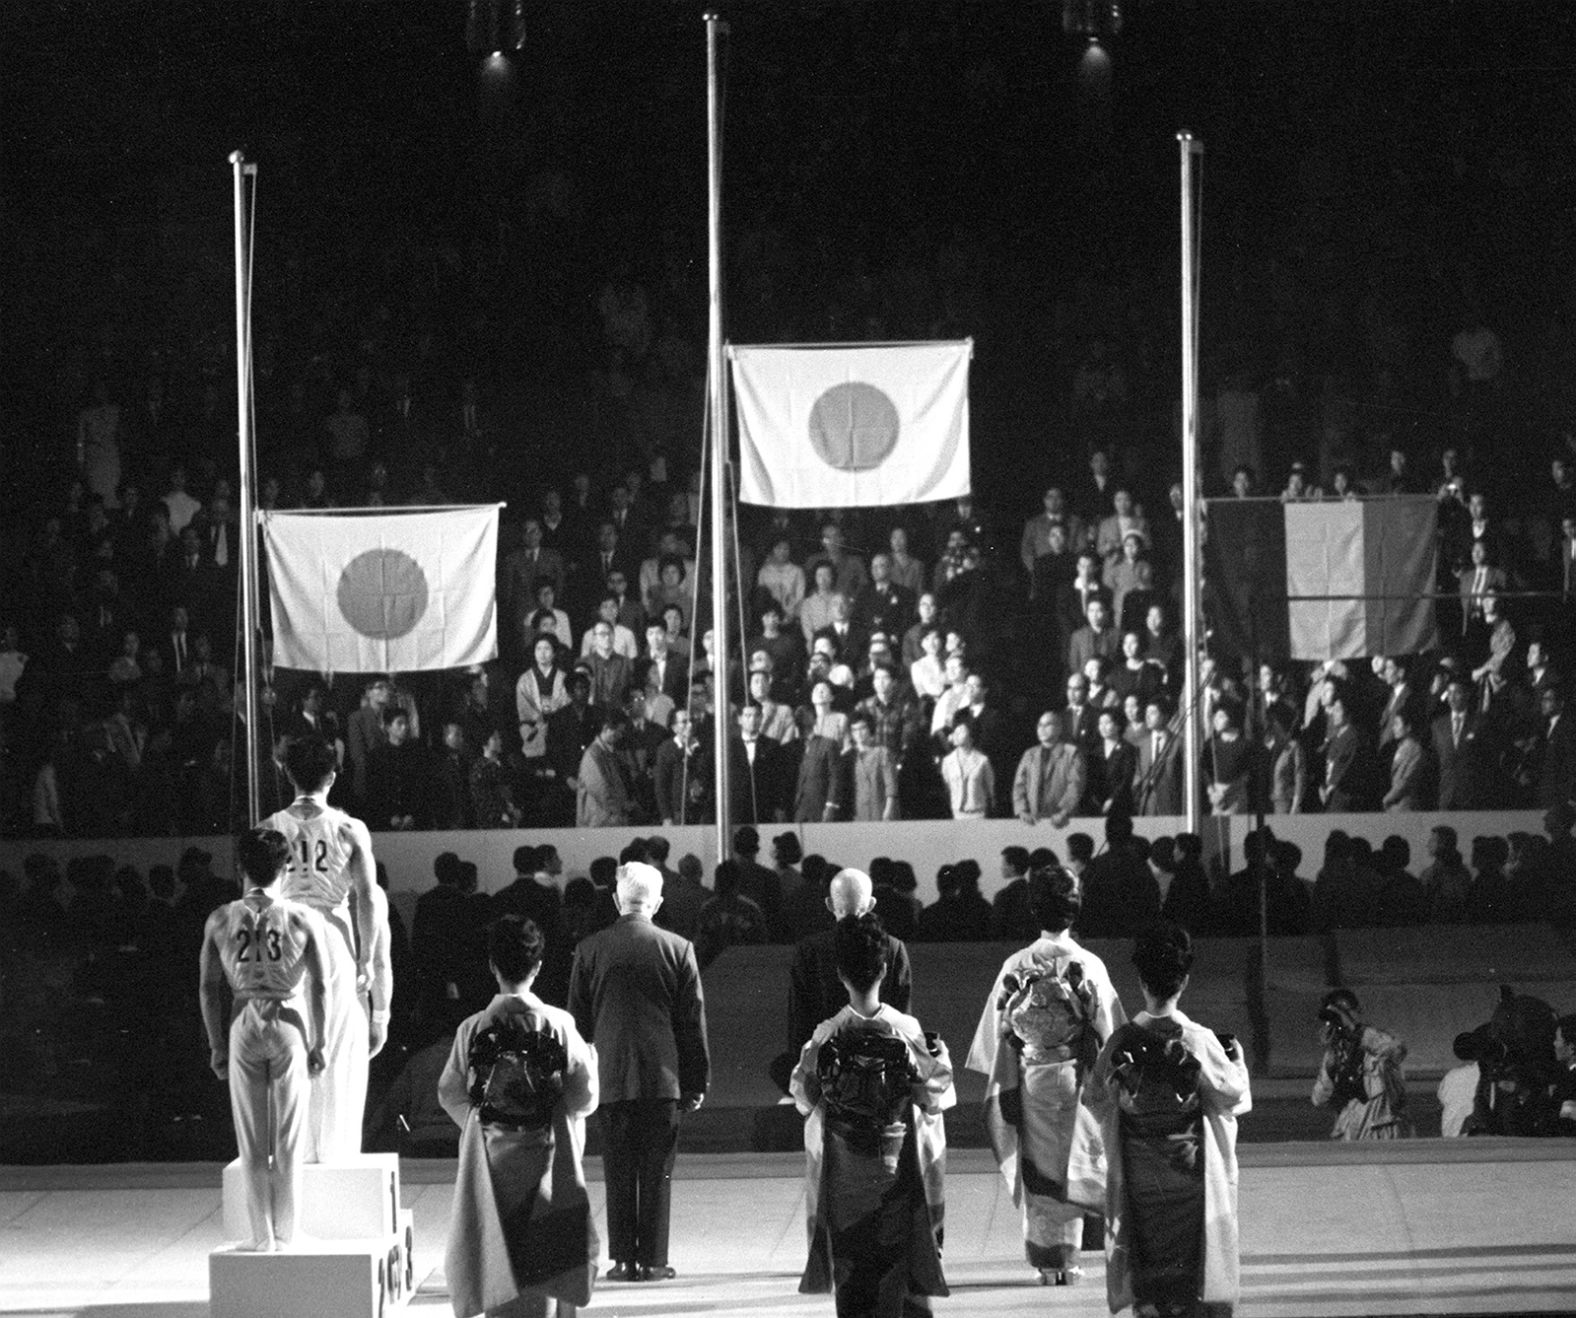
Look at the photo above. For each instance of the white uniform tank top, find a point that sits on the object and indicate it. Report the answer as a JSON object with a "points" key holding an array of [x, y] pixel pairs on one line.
{"points": [[262, 949], [319, 872]]}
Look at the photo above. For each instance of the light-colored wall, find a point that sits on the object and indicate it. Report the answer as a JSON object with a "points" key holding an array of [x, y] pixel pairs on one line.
{"points": [[925, 844]]}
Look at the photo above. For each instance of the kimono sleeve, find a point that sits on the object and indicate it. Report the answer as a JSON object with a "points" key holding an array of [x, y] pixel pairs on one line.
{"points": [[580, 1075], [454, 1084], [804, 1085], [932, 1089]]}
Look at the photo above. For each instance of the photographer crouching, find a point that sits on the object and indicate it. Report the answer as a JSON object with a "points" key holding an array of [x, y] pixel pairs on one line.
{"points": [[1361, 1073]]}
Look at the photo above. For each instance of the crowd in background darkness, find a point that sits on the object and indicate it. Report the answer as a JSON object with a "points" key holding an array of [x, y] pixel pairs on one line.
{"points": [[1384, 324]]}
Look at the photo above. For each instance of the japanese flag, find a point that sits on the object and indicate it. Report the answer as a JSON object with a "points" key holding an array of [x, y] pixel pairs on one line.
{"points": [[852, 426], [383, 592]]}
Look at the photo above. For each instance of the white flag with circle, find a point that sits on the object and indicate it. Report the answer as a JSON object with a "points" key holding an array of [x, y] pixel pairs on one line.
{"points": [[852, 426], [383, 592]]}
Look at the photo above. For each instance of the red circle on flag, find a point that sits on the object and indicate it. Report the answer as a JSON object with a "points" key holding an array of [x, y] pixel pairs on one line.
{"points": [[854, 427], [383, 593]]}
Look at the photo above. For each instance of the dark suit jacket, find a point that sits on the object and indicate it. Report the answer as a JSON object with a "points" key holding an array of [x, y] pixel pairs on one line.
{"points": [[1344, 772], [635, 993], [850, 648], [682, 796], [816, 994], [1557, 771], [1159, 791], [1111, 779], [539, 903], [821, 781], [769, 793], [1454, 764], [675, 679]]}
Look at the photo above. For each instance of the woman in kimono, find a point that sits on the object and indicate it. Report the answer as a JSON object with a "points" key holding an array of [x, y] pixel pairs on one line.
{"points": [[873, 1086], [520, 1082], [1168, 1092], [1050, 1009]]}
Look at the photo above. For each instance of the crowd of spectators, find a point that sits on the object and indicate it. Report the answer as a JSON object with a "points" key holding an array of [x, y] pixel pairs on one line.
{"points": [[98, 955]]}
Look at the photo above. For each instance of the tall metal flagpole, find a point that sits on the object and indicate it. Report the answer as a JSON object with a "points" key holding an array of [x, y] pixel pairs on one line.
{"points": [[1191, 151], [248, 532], [718, 430]]}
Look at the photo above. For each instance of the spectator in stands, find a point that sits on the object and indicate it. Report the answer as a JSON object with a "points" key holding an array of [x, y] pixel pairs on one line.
{"points": [[1458, 751], [1229, 762], [1050, 777], [493, 800], [1096, 637], [1345, 761], [1557, 761], [1401, 899], [541, 690], [782, 579], [970, 780], [1411, 774], [1284, 763], [1112, 768], [400, 787], [1488, 898], [907, 571], [604, 796], [1360, 1074], [816, 609]]}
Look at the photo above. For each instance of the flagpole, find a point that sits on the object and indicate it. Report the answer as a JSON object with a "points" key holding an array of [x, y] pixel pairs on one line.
{"points": [[718, 430], [247, 515], [1191, 150]]}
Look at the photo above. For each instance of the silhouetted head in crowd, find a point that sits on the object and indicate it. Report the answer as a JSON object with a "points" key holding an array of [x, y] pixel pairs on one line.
{"points": [[1014, 862], [786, 849], [1080, 851], [446, 869], [525, 860]]}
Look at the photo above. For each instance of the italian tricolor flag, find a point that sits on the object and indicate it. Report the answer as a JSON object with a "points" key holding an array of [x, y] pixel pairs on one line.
{"points": [[1322, 580]]}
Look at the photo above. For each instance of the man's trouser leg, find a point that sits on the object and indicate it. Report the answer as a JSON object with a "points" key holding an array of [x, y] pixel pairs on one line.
{"points": [[657, 1150], [620, 1154]]}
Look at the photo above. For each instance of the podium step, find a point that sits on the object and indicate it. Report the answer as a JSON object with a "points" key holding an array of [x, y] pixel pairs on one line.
{"points": [[350, 1199], [313, 1278]]}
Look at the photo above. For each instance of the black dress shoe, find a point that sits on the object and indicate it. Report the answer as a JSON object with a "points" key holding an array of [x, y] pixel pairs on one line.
{"points": [[658, 1272], [624, 1272]]}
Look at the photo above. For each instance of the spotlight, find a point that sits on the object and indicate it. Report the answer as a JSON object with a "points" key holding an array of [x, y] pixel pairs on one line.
{"points": [[493, 27], [1092, 19]]}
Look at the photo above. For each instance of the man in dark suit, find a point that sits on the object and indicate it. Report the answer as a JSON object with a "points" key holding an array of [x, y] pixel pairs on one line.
{"points": [[1455, 736], [1159, 784], [1557, 767], [661, 672], [525, 569], [1121, 895], [529, 897], [635, 993], [814, 991], [756, 771], [845, 633], [1343, 790]]}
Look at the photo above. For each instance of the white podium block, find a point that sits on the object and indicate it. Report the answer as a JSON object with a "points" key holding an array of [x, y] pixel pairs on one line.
{"points": [[350, 1199], [344, 1278]]}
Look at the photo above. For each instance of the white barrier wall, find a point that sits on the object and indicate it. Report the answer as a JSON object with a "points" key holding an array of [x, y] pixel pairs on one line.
{"points": [[925, 844]]}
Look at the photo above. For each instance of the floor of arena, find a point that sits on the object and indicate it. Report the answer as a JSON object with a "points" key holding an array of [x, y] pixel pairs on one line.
{"points": [[1424, 1227]]}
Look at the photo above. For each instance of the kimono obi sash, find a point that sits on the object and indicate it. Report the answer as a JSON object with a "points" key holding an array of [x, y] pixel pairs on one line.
{"points": [[1050, 1009], [517, 1075], [865, 1078]]}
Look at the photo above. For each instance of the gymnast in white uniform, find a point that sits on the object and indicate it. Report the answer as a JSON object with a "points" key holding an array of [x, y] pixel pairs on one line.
{"points": [[269, 950], [331, 870]]}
